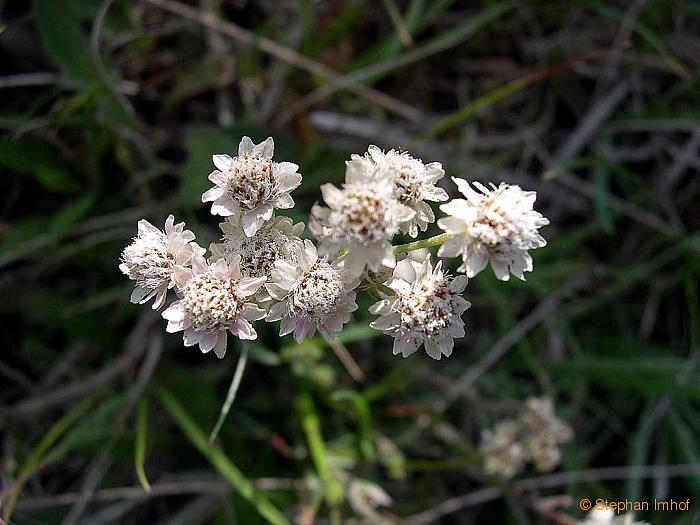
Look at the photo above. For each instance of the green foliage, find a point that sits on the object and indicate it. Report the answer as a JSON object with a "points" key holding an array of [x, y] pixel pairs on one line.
{"points": [[126, 130], [41, 161], [220, 461], [64, 39]]}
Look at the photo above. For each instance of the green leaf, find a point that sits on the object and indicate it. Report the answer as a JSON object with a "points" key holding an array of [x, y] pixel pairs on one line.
{"points": [[639, 449], [90, 430], [364, 418], [311, 424], [602, 210], [70, 214], [205, 76], [651, 376], [264, 355], [201, 144], [66, 42], [37, 159], [687, 446], [220, 461], [35, 459]]}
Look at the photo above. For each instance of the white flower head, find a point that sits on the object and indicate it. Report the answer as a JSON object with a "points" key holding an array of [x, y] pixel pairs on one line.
{"points": [[251, 185], [214, 301], [501, 450], [362, 217], [413, 182], [151, 258], [600, 517], [608, 516], [311, 294], [277, 239], [496, 225], [426, 309], [544, 433]]}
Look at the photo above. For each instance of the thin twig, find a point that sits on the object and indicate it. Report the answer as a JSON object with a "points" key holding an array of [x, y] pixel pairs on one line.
{"points": [[134, 347], [100, 68], [99, 466], [621, 39], [224, 101], [203, 485], [16, 376], [551, 481], [591, 123], [510, 339], [21, 80], [395, 16], [438, 45], [346, 359], [289, 55]]}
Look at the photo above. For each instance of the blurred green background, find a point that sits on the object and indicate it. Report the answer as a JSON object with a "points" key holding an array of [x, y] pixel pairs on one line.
{"points": [[110, 112]]}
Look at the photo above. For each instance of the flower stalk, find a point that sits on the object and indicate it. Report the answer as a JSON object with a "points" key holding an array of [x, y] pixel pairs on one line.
{"points": [[430, 242], [232, 391]]}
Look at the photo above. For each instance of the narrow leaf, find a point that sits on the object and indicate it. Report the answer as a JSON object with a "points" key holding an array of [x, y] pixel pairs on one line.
{"points": [[220, 461], [140, 446]]}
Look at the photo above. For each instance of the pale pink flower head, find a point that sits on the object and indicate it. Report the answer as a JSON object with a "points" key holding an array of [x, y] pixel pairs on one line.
{"points": [[214, 301], [312, 294], [152, 257], [501, 450], [361, 218], [251, 185], [496, 225], [425, 309], [276, 239], [545, 432], [413, 182]]}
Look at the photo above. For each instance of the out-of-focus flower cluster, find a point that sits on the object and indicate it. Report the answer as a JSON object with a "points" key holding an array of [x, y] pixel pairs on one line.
{"points": [[262, 269], [535, 436], [609, 517]]}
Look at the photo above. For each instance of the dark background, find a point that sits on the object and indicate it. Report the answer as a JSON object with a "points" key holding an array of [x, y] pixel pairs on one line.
{"points": [[110, 112]]}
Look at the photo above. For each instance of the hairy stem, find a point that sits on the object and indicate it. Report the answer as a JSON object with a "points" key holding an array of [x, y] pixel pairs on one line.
{"points": [[423, 243]]}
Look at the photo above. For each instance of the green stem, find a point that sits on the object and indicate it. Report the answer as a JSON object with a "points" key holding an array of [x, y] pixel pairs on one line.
{"points": [[220, 461], [232, 391], [140, 447], [379, 287], [311, 424], [423, 243]]}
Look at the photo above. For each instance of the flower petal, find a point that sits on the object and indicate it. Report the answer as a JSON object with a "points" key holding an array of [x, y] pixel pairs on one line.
{"points": [[265, 149], [224, 206], [212, 194], [220, 347], [222, 162], [245, 147], [242, 329], [249, 285]]}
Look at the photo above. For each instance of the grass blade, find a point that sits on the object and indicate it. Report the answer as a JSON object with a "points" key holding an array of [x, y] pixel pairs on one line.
{"points": [[34, 460], [140, 452], [220, 461], [311, 424], [232, 391]]}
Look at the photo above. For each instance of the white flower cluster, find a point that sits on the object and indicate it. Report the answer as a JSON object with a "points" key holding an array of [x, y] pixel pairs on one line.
{"points": [[609, 517], [535, 436], [262, 269]]}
